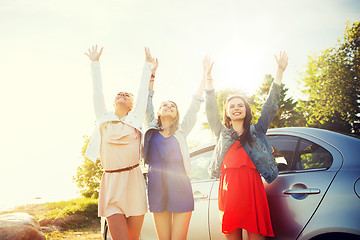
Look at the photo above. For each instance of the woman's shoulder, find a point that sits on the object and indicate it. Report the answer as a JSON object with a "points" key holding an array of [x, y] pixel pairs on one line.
{"points": [[153, 126], [153, 123], [254, 130], [108, 117]]}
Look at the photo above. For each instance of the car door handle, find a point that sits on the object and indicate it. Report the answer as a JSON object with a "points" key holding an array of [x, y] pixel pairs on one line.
{"points": [[198, 195], [302, 191]]}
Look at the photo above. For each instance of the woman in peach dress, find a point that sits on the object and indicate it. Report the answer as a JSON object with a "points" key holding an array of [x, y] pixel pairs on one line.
{"points": [[117, 140]]}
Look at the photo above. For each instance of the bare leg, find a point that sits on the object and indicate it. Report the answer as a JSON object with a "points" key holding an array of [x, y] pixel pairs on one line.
{"points": [[180, 225], [245, 235], [134, 224], [234, 235], [255, 236], [163, 225], [118, 227]]}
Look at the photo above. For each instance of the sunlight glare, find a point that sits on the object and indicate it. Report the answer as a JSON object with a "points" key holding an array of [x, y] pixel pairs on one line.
{"points": [[240, 69]]}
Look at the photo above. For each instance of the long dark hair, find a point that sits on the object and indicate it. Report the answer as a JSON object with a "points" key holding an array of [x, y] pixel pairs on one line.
{"points": [[175, 124], [245, 136]]}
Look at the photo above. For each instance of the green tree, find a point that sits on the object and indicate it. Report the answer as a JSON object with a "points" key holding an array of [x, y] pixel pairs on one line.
{"points": [[332, 85], [289, 113], [88, 175]]}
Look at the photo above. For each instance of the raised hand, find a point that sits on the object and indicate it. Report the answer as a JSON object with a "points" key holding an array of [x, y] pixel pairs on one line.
{"points": [[148, 56], [93, 54], [207, 67], [154, 65], [282, 61]]}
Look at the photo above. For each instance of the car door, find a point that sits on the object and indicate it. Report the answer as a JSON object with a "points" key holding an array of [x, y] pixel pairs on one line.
{"points": [[214, 217], [201, 186], [307, 167], [205, 222]]}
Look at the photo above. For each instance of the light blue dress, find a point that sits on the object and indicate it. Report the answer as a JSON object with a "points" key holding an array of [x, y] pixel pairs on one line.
{"points": [[169, 187]]}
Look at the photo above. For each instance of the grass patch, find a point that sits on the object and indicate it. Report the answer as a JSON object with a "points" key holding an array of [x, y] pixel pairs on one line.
{"points": [[89, 231], [73, 235]]}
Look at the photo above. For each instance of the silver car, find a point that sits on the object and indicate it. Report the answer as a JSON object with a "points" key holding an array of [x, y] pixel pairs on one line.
{"points": [[316, 195]]}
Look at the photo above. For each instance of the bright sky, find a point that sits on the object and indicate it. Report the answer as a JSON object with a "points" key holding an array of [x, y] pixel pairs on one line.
{"points": [[46, 93]]}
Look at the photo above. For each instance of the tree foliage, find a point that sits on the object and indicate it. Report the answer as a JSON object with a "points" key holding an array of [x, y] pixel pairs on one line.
{"points": [[288, 115], [332, 84], [88, 175]]}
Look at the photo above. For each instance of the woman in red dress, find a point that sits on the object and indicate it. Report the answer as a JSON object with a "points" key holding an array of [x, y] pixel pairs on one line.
{"points": [[240, 156]]}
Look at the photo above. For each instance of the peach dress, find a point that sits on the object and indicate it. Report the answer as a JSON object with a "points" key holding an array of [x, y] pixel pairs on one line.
{"points": [[121, 192]]}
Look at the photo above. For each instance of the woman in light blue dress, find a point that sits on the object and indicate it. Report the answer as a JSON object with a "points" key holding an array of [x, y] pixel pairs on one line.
{"points": [[166, 153]]}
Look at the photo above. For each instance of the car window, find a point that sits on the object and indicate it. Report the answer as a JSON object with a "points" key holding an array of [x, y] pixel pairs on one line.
{"points": [[283, 150], [200, 165], [312, 156]]}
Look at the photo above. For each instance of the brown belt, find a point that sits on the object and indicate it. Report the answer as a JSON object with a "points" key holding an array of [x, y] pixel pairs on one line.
{"points": [[122, 169]]}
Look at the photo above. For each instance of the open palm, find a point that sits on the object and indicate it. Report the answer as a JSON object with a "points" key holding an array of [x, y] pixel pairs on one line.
{"points": [[94, 54], [282, 61]]}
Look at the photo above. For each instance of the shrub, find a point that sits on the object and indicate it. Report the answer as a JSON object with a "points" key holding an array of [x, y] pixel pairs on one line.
{"points": [[82, 206]]}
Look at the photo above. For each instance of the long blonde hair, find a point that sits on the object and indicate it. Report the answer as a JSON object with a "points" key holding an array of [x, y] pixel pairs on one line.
{"points": [[175, 124]]}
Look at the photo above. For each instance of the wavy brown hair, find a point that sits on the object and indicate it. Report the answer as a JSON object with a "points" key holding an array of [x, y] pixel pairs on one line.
{"points": [[245, 136], [175, 124]]}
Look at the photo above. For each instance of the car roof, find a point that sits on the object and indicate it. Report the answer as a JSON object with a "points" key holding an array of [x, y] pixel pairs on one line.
{"points": [[332, 138]]}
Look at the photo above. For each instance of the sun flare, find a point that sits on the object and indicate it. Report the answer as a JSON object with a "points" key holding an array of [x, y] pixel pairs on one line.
{"points": [[239, 69]]}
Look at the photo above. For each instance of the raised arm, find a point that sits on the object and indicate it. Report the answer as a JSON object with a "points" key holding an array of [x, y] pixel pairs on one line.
{"points": [[271, 105], [150, 107], [212, 109], [154, 66], [191, 114], [142, 97], [98, 95]]}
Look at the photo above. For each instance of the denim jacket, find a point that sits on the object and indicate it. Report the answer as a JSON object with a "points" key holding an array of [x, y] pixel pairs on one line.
{"points": [[181, 133], [134, 118], [259, 151]]}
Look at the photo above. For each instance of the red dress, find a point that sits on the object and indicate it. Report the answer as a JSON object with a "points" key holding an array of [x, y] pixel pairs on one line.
{"points": [[242, 197]]}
